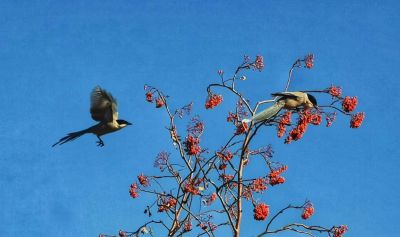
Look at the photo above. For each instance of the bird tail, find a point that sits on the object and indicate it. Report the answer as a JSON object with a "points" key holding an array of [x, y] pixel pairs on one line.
{"points": [[267, 113], [70, 137]]}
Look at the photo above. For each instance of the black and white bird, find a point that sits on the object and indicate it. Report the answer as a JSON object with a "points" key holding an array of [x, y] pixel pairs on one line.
{"points": [[103, 109], [285, 100]]}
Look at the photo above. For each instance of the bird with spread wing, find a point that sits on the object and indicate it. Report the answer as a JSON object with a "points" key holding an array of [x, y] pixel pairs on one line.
{"points": [[285, 100], [103, 109]]}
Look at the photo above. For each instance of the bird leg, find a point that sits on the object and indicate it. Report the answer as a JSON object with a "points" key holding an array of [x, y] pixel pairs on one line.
{"points": [[100, 142]]}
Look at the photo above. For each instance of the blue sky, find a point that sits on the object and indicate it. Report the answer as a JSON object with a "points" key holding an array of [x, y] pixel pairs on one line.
{"points": [[53, 53]]}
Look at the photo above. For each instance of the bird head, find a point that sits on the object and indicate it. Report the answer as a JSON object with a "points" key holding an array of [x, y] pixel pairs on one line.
{"points": [[311, 102], [123, 123]]}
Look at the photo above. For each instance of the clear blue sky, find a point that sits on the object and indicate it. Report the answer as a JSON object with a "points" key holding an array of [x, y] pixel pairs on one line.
{"points": [[53, 53]]}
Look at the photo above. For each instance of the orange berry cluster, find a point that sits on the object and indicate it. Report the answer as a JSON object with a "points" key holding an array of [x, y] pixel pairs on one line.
{"points": [[274, 176], [261, 212], [213, 101]]}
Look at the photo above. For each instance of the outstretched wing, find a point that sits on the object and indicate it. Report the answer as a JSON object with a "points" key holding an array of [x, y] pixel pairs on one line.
{"points": [[103, 106]]}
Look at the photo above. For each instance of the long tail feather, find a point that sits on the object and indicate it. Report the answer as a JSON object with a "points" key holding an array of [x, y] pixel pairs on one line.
{"points": [[70, 137], [267, 113]]}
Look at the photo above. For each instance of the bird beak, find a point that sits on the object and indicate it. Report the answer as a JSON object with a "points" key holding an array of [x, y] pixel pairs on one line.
{"points": [[128, 123]]}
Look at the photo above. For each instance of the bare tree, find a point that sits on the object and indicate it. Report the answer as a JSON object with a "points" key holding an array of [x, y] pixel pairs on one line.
{"points": [[196, 185]]}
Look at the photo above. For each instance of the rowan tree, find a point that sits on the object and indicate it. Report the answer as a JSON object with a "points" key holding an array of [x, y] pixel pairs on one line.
{"points": [[197, 190]]}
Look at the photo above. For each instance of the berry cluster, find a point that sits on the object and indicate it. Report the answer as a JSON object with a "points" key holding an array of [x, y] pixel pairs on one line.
{"points": [[261, 212], [192, 145], [213, 101], [274, 176], [308, 211]]}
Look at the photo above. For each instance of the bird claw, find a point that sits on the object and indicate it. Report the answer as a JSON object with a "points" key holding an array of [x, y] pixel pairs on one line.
{"points": [[100, 143]]}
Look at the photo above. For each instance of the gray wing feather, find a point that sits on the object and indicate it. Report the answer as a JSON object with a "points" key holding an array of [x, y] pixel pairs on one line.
{"points": [[103, 106], [293, 95]]}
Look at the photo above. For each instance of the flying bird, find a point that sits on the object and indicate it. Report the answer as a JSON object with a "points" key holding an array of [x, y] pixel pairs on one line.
{"points": [[286, 100], [103, 109]]}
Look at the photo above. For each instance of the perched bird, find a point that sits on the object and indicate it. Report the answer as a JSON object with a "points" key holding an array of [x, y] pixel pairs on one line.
{"points": [[103, 108], [286, 100]]}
